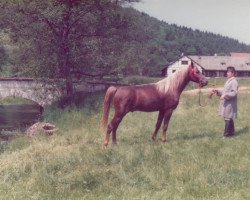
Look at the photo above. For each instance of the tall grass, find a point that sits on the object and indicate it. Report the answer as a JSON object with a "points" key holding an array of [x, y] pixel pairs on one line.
{"points": [[136, 80], [195, 163]]}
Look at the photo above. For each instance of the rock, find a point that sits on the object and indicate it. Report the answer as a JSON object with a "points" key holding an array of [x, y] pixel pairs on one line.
{"points": [[41, 128]]}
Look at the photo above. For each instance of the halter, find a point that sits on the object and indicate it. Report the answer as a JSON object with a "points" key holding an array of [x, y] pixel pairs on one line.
{"points": [[200, 85]]}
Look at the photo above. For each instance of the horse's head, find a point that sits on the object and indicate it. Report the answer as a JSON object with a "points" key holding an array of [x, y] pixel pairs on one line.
{"points": [[196, 76]]}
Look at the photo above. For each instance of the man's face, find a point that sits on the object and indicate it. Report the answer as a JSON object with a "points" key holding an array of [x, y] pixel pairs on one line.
{"points": [[230, 74]]}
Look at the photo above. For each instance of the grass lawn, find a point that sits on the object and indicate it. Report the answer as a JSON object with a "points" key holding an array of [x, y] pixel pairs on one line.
{"points": [[213, 82], [195, 163]]}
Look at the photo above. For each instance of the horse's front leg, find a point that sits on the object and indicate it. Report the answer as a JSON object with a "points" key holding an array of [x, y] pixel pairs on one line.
{"points": [[158, 124], [167, 116]]}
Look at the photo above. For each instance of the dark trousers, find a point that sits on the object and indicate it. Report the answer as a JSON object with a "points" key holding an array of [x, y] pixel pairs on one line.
{"points": [[229, 128]]}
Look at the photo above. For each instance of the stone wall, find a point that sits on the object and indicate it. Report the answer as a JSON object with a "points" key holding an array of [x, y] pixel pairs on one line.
{"points": [[43, 94]]}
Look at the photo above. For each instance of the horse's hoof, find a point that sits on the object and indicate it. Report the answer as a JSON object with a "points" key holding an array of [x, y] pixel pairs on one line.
{"points": [[105, 144], [153, 138], [164, 141]]}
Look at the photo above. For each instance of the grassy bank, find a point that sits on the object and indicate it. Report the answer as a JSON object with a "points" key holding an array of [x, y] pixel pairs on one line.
{"points": [[195, 163], [14, 101], [219, 82]]}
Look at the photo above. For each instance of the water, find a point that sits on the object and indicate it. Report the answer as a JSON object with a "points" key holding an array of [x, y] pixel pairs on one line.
{"points": [[19, 117]]}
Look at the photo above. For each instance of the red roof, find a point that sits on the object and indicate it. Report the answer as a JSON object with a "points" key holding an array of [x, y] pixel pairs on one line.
{"points": [[236, 54]]}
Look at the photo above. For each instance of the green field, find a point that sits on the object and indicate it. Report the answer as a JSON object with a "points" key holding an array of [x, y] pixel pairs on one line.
{"points": [[213, 82], [195, 163]]}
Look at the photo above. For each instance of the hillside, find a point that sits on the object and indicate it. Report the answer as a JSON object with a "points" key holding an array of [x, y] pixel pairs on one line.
{"points": [[169, 41], [128, 43]]}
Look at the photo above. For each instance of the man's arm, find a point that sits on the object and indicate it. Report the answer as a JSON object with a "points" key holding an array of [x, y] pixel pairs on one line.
{"points": [[217, 91], [233, 92]]}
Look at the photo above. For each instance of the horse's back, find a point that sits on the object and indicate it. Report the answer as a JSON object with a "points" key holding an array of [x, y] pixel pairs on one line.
{"points": [[138, 98]]}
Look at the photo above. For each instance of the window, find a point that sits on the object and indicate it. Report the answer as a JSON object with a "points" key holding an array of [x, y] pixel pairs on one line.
{"points": [[173, 71], [210, 73], [222, 63], [184, 62]]}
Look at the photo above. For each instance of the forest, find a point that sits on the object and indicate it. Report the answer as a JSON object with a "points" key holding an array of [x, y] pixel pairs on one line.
{"points": [[91, 40]]}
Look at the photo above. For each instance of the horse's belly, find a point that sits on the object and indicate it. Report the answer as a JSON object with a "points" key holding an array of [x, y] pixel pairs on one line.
{"points": [[148, 107]]}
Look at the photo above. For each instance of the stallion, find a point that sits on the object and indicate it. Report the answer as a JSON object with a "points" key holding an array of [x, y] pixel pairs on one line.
{"points": [[162, 96]]}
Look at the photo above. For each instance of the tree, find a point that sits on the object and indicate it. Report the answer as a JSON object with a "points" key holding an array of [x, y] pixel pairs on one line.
{"points": [[3, 57], [62, 38]]}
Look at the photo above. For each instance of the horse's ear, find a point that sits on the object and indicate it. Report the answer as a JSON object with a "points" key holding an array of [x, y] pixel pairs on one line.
{"points": [[192, 64]]}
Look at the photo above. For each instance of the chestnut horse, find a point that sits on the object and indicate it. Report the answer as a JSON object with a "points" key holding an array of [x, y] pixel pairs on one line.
{"points": [[162, 96]]}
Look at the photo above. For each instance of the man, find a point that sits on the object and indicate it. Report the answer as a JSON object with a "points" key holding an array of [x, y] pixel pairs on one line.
{"points": [[228, 101]]}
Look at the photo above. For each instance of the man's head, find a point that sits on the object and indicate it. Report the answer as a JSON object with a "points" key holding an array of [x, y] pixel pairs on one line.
{"points": [[231, 71]]}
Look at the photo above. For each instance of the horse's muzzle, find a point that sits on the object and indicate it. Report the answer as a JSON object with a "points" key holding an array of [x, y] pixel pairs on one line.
{"points": [[203, 82]]}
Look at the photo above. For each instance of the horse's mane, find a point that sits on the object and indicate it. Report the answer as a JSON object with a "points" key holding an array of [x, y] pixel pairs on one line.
{"points": [[171, 83]]}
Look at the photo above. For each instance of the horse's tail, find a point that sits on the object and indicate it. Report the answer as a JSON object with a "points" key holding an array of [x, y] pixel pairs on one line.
{"points": [[106, 105]]}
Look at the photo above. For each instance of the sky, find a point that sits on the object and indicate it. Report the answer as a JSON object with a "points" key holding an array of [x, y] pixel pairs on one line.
{"points": [[226, 17]]}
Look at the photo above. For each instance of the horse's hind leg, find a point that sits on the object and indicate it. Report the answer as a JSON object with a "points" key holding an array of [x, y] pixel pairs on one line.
{"points": [[158, 124], [106, 141], [112, 127], [116, 122]]}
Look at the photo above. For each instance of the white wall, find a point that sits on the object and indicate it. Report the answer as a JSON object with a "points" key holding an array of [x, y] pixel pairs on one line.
{"points": [[178, 65]]}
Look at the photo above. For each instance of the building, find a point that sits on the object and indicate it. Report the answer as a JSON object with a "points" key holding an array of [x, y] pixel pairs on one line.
{"points": [[237, 54], [213, 66]]}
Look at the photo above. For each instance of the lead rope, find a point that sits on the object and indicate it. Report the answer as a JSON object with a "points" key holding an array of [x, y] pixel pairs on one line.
{"points": [[200, 93]]}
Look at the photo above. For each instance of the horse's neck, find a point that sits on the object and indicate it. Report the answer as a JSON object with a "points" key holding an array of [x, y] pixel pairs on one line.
{"points": [[180, 81], [182, 86], [174, 84]]}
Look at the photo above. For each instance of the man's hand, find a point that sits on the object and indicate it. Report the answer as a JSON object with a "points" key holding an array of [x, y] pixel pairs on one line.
{"points": [[222, 97], [215, 90]]}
